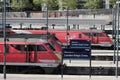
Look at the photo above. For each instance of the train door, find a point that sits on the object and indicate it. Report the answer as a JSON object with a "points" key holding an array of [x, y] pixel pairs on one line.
{"points": [[45, 54], [36, 53], [41, 53], [31, 53], [27, 53], [95, 38], [92, 36]]}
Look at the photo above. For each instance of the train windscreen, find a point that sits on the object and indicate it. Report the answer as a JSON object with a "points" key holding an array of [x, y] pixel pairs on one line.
{"points": [[50, 46], [94, 34], [98, 35]]}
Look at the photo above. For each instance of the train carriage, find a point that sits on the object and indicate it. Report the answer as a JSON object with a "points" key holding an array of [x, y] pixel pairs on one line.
{"points": [[97, 37], [30, 54]]}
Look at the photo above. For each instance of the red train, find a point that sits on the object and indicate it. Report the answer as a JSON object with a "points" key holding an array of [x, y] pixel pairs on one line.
{"points": [[97, 37], [30, 54], [41, 52]]}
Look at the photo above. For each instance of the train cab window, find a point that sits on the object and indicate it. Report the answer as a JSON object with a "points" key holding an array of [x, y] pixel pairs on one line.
{"points": [[41, 48], [19, 47], [36, 47], [29, 47], [51, 47], [94, 34], [98, 35]]}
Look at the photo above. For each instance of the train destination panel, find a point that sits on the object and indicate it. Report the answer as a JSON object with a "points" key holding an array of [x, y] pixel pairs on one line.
{"points": [[76, 53], [80, 43]]}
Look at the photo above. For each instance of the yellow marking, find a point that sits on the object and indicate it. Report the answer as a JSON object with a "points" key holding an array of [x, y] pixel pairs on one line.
{"points": [[58, 54]]}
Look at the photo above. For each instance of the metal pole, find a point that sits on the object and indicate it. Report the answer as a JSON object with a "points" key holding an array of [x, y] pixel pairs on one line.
{"points": [[67, 28], [90, 63], [62, 71], [47, 21], [4, 25], [114, 31], [67, 33], [117, 45]]}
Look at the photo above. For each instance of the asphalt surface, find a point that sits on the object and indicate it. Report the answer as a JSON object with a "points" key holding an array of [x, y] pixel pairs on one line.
{"points": [[56, 77]]}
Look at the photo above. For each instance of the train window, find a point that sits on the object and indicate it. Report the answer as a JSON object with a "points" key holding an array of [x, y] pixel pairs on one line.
{"points": [[41, 48], [30, 47], [98, 35], [33, 48], [94, 34], [19, 47], [80, 36]]}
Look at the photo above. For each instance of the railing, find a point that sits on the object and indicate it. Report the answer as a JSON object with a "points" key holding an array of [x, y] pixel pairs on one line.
{"points": [[72, 13]]}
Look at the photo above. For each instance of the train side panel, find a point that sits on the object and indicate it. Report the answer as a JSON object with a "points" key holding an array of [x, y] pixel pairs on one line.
{"points": [[44, 54], [98, 38], [39, 53], [12, 55]]}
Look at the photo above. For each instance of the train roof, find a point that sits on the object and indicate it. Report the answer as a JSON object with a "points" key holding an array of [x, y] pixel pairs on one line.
{"points": [[22, 43], [26, 36], [84, 30], [91, 30], [51, 30], [24, 40]]}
